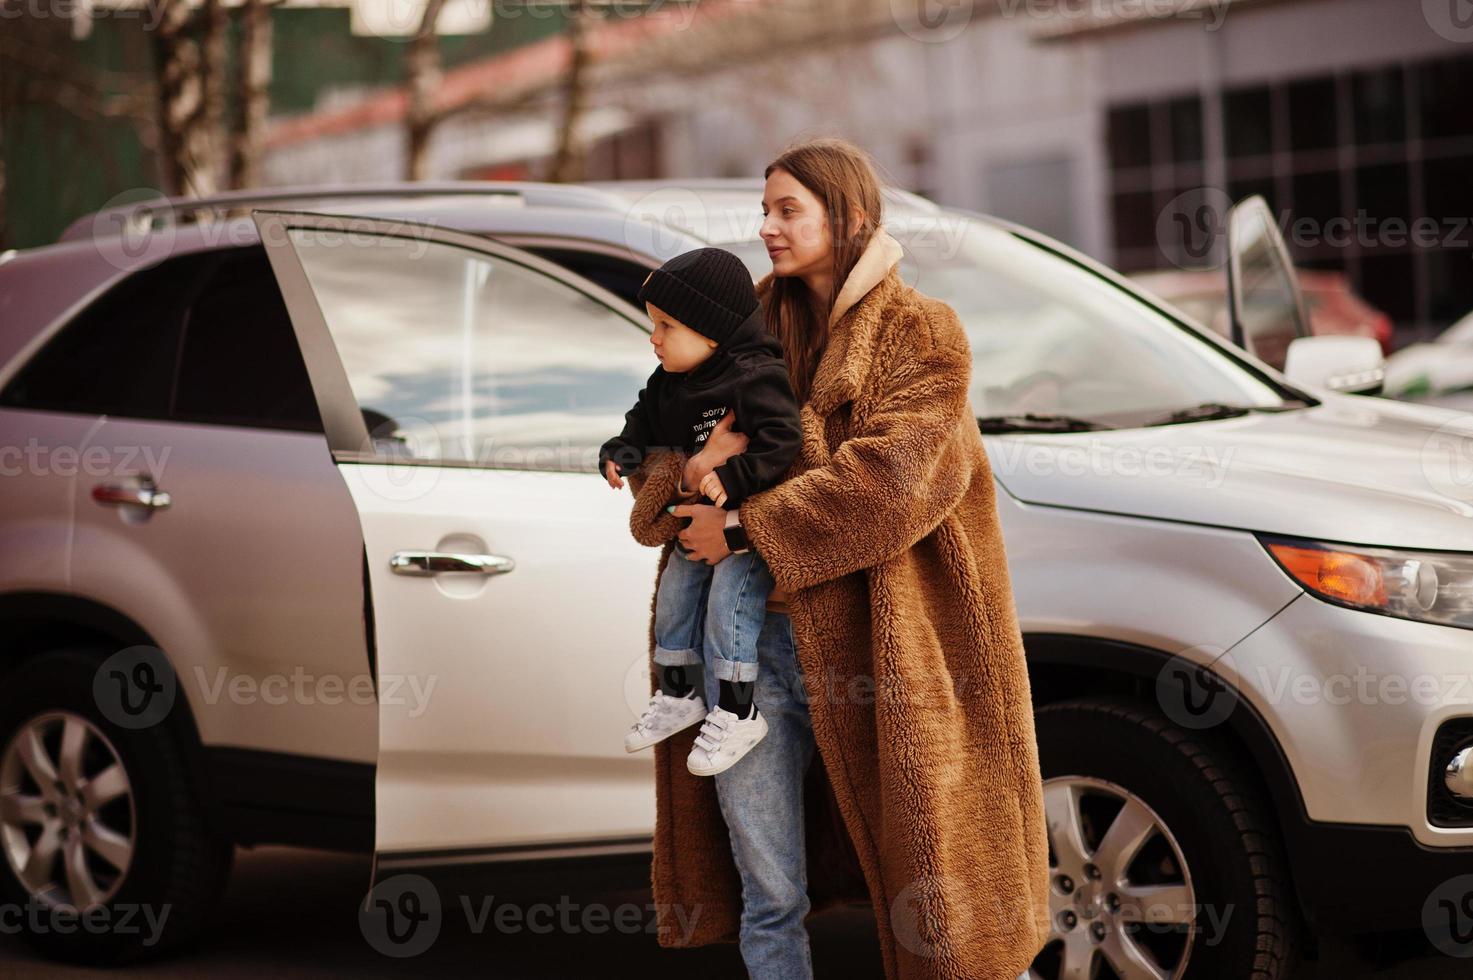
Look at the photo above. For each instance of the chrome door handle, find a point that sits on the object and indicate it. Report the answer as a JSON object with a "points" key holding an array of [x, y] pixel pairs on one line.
{"points": [[150, 497], [435, 562]]}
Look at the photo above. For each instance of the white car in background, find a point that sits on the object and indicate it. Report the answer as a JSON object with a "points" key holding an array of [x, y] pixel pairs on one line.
{"points": [[1436, 372], [301, 522]]}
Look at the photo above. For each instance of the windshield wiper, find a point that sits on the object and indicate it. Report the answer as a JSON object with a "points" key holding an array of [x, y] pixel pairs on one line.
{"points": [[1030, 422], [1220, 410]]}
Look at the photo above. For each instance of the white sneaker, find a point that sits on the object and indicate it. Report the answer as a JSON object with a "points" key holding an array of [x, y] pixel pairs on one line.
{"points": [[664, 716], [724, 739]]}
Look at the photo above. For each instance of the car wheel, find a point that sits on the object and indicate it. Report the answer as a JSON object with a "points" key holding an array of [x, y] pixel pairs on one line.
{"points": [[107, 857], [1162, 860]]}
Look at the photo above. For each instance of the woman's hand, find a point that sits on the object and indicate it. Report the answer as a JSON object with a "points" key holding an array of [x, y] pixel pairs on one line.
{"points": [[721, 445], [705, 539], [611, 473]]}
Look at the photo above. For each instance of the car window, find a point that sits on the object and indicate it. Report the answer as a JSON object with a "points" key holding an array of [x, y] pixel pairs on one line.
{"points": [[621, 277], [240, 363], [473, 358], [1051, 337], [116, 357]]}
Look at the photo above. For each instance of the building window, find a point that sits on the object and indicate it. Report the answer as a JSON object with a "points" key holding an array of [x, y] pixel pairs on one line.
{"points": [[1155, 151], [1351, 162]]}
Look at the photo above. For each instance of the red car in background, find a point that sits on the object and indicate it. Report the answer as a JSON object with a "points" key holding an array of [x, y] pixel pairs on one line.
{"points": [[1332, 306]]}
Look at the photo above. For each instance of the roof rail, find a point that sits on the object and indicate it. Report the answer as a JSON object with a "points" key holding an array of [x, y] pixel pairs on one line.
{"points": [[893, 194], [158, 213]]}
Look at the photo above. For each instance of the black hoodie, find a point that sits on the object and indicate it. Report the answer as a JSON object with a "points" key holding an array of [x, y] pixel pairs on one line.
{"points": [[746, 373]]}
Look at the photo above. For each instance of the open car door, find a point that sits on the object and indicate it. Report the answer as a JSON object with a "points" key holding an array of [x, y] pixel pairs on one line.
{"points": [[465, 387]]}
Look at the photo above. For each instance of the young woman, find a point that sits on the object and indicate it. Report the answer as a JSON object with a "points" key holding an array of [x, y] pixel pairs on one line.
{"points": [[891, 645]]}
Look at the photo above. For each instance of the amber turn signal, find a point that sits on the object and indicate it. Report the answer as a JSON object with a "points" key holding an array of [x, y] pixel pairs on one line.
{"points": [[1338, 574]]}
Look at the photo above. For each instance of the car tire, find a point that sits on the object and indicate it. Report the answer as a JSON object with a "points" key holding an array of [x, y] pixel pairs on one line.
{"points": [[175, 868], [1208, 870]]}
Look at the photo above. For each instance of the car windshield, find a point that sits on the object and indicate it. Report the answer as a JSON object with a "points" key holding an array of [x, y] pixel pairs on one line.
{"points": [[1050, 338]]}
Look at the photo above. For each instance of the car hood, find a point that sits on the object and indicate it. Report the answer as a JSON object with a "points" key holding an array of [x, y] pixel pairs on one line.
{"points": [[1355, 469]]}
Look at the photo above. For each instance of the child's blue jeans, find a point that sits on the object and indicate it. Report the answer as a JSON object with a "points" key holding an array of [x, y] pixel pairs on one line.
{"points": [[712, 613]]}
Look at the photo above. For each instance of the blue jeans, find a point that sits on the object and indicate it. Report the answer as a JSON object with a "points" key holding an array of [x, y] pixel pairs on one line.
{"points": [[762, 802], [712, 613]]}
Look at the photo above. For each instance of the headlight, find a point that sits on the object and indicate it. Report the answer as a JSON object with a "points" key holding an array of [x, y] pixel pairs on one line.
{"points": [[1430, 586]]}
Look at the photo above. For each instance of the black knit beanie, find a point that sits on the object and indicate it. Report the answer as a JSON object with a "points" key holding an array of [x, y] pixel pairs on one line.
{"points": [[707, 289]]}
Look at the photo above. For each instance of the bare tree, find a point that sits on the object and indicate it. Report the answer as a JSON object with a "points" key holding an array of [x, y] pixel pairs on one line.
{"points": [[422, 78], [40, 69], [189, 105], [568, 157], [253, 93]]}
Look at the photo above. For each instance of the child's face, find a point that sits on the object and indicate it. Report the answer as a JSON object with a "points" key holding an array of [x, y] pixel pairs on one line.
{"points": [[678, 347]]}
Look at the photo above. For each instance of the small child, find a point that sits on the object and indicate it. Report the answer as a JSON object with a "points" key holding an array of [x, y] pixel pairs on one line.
{"points": [[715, 356]]}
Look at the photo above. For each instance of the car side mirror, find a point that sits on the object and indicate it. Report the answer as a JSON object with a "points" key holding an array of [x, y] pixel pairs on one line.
{"points": [[1352, 365], [1265, 306]]}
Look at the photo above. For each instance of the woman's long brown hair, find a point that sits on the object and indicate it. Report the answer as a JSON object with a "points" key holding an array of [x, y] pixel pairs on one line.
{"points": [[842, 177]]}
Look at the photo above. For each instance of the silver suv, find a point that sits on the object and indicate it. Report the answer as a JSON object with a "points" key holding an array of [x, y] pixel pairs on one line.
{"points": [[301, 521]]}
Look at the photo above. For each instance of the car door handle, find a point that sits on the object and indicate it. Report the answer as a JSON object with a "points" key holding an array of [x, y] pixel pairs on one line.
{"points": [[435, 562], [150, 497]]}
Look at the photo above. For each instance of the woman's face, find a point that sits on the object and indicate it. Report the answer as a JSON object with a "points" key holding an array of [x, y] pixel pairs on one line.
{"points": [[795, 227], [678, 347]]}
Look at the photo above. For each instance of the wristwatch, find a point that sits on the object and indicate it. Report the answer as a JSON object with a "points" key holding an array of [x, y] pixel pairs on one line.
{"points": [[736, 535]]}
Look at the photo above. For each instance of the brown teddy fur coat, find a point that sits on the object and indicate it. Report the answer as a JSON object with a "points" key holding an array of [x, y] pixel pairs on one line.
{"points": [[925, 796]]}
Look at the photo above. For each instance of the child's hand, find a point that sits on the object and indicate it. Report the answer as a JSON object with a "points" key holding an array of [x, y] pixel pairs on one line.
{"points": [[611, 473], [711, 487]]}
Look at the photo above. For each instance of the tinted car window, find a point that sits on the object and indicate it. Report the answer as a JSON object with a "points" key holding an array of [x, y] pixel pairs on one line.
{"points": [[240, 363], [218, 316], [117, 356]]}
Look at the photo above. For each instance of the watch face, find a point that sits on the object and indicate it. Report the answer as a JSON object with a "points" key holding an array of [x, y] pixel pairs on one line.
{"points": [[736, 538]]}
